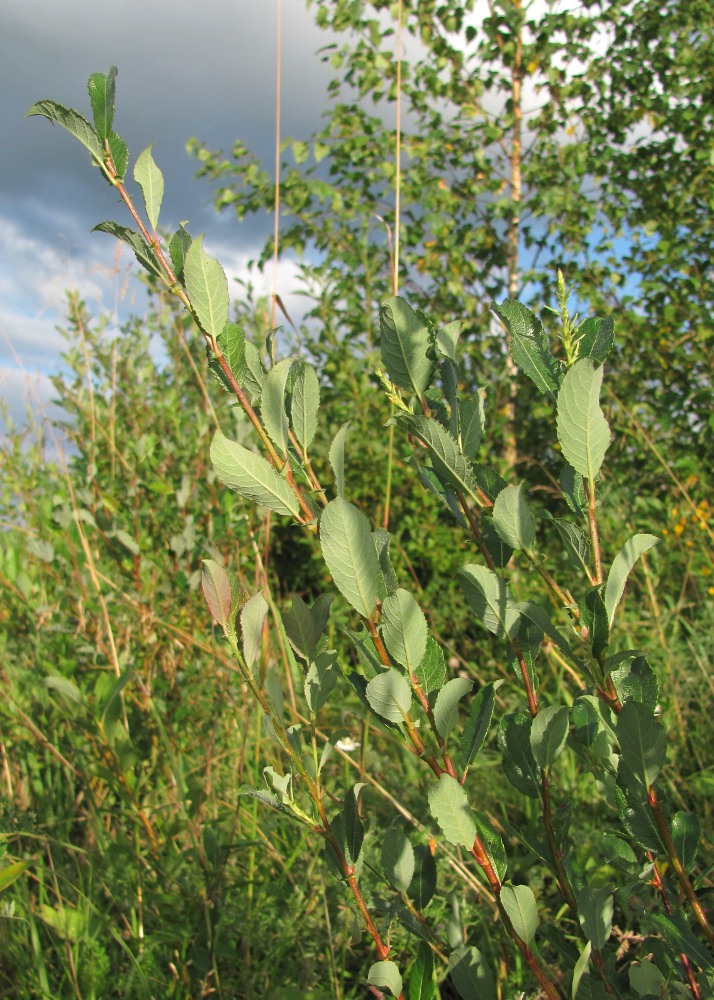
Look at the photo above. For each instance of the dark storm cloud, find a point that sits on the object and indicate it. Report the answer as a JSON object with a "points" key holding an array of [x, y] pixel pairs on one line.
{"points": [[185, 69]]}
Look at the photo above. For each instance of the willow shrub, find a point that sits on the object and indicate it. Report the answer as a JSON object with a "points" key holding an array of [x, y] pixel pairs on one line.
{"points": [[570, 941]]}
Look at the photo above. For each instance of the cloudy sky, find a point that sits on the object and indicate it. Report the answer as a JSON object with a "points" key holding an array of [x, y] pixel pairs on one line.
{"points": [[185, 69]]}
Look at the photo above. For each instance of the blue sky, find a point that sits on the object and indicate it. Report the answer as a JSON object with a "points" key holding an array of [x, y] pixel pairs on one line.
{"points": [[185, 69]]}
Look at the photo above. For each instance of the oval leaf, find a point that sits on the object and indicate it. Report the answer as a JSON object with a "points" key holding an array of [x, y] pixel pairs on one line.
{"points": [[390, 696], [75, 123], [252, 617], [151, 181], [102, 90], [530, 348], [480, 714], [642, 740], [304, 404], [398, 858], [583, 431], [520, 904], [405, 344], [450, 808], [446, 709], [490, 599], [252, 476], [620, 570], [272, 404], [385, 976], [217, 591], [207, 288], [549, 732], [404, 629], [337, 458], [513, 520], [348, 550]]}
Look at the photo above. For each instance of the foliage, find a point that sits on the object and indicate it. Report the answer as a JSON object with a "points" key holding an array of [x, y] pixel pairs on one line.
{"points": [[587, 844], [534, 138]]}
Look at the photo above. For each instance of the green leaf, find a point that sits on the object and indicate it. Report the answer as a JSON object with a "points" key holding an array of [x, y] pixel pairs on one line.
{"points": [[120, 154], [272, 405], [580, 968], [217, 591], [348, 550], [421, 976], [12, 873], [633, 806], [207, 288], [304, 404], [594, 618], [446, 708], [178, 247], [577, 544], [514, 741], [536, 621], [447, 338], [252, 617], [320, 612], [300, 628], [646, 980], [320, 680], [678, 935], [405, 345], [642, 740], [404, 629], [620, 853], [102, 90], [596, 338], [620, 570], [573, 490], [471, 424], [231, 344], [513, 520], [451, 468], [583, 431], [144, 254], [480, 714], [337, 458], [423, 884], [493, 844], [254, 372], [151, 181], [686, 834], [385, 976], [634, 679], [431, 672], [348, 830], [388, 578], [520, 904], [57, 682], [398, 858], [273, 690], [75, 123], [595, 907], [529, 346], [301, 151], [450, 808], [490, 599], [549, 732], [389, 695], [473, 980], [252, 476], [268, 798]]}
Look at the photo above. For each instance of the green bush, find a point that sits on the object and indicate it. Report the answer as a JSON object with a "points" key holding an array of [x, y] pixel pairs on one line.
{"points": [[578, 875]]}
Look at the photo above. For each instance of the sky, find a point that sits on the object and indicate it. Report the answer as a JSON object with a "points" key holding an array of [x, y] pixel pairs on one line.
{"points": [[184, 69]]}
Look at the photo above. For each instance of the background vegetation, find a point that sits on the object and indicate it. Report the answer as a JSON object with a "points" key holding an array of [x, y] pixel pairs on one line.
{"points": [[130, 868]]}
